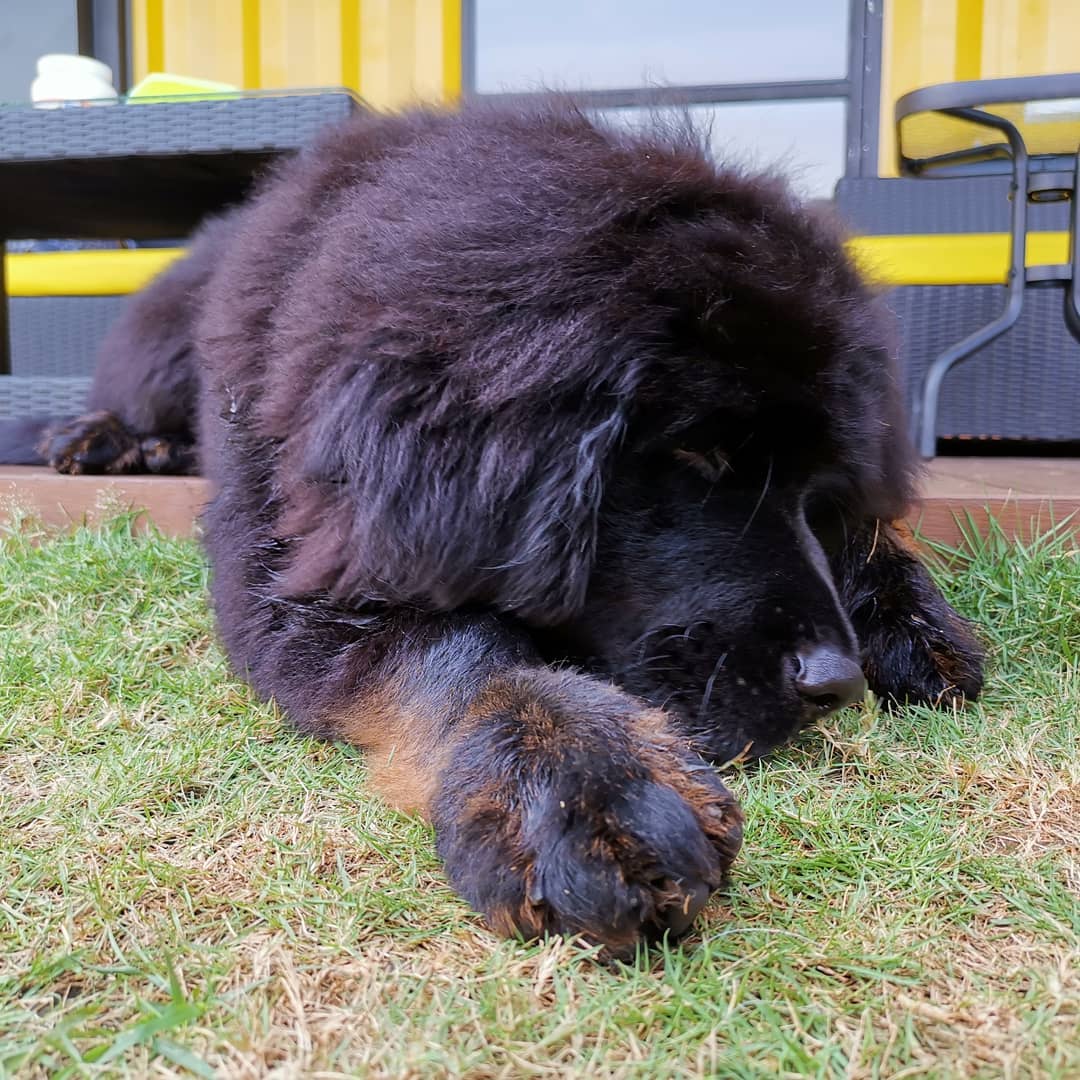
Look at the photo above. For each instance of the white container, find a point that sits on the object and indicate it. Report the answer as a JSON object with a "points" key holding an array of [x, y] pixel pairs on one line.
{"points": [[63, 78], [68, 64]]}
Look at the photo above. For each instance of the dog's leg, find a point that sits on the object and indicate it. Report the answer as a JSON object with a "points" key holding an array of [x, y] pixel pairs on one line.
{"points": [[915, 647], [559, 803], [140, 414]]}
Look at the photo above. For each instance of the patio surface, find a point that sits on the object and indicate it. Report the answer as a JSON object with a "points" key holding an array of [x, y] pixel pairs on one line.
{"points": [[1026, 495]]}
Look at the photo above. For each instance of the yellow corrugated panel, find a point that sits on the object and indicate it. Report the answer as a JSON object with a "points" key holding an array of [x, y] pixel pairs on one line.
{"points": [[453, 46], [390, 51], [302, 44], [969, 38], [204, 38], [958, 259], [428, 60], [936, 41], [380, 32]]}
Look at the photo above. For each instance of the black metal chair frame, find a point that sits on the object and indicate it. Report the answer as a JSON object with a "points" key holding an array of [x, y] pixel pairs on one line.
{"points": [[1039, 177]]}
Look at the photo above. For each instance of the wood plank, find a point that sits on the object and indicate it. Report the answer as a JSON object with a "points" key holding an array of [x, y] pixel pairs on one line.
{"points": [[1026, 496], [945, 521], [171, 502], [1021, 476]]}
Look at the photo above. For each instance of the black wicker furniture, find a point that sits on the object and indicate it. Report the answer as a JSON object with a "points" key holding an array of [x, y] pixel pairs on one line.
{"points": [[138, 170]]}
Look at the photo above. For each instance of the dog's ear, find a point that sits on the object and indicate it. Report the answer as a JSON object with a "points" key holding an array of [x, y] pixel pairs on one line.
{"points": [[415, 489]]}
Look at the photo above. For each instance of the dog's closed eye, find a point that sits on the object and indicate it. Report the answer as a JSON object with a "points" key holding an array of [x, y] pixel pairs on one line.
{"points": [[711, 464]]}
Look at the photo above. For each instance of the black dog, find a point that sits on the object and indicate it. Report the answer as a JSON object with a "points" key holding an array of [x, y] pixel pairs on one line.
{"points": [[548, 462]]}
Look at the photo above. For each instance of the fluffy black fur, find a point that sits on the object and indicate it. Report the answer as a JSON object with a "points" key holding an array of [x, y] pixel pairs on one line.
{"points": [[487, 393]]}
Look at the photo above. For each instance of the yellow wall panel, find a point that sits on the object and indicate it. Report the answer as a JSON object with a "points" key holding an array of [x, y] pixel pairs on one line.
{"points": [[375, 60], [204, 38], [969, 38], [301, 44], [390, 51], [935, 41], [429, 76], [400, 16], [453, 48]]}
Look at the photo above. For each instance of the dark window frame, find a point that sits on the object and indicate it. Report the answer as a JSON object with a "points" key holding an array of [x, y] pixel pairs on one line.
{"points": [[103, 33], [859, 89]]}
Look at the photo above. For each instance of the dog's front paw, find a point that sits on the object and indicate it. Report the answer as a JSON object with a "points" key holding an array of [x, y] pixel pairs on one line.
{"points": [[925, 656], [96, 443], [915, 648], [570, 808]]}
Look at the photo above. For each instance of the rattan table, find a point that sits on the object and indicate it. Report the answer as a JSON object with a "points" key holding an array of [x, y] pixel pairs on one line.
{"points": [[139, 170]]}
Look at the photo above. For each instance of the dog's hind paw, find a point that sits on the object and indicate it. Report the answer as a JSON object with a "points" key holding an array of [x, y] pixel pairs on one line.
{"points": [[98, 442], [101, 442]]}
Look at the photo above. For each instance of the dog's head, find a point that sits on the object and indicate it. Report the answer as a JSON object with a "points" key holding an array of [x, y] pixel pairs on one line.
{"points": [[712, 593], [620, 395]]}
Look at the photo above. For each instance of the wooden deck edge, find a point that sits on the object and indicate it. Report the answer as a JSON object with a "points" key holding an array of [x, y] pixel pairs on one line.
{"points": [[173, 503], [942, 520]]}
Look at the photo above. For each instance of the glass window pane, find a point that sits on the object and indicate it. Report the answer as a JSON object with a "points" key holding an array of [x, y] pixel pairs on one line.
{"points": [[603, 44], [803, 141]]}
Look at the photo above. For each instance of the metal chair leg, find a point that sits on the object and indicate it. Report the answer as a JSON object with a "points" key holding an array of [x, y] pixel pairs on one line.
{"points": [[925, 418], [1072, 286]]}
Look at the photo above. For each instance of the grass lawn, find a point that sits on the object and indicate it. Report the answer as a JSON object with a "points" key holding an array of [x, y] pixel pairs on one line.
{"points": [[186, 888]]}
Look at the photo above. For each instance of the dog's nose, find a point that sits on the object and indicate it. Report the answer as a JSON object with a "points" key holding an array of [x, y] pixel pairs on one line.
{"points": [[828, 679]]}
